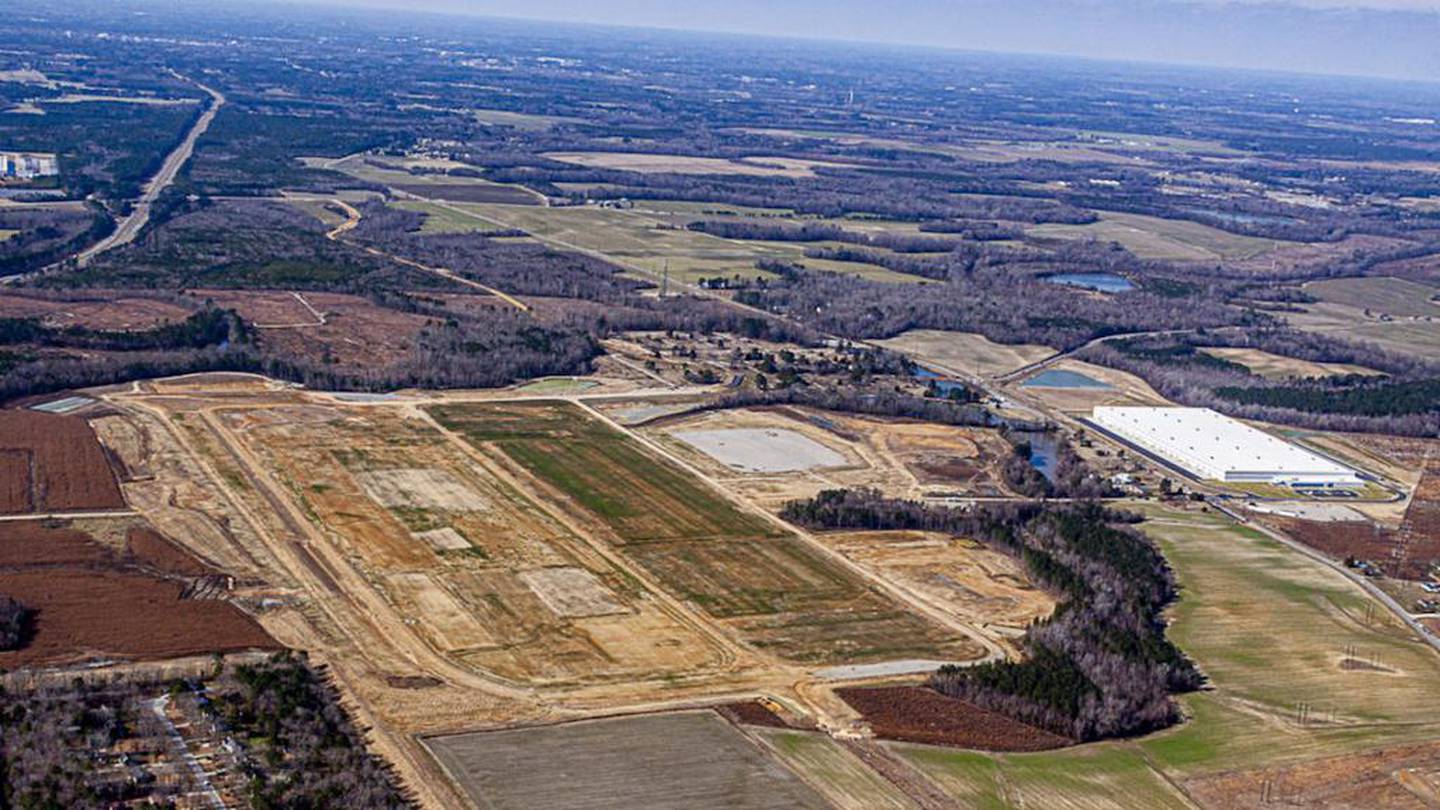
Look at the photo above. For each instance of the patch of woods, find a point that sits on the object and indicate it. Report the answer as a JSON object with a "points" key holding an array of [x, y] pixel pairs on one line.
{"points": [[1101, 665], [1070, 477], [1403, 400], [277, 725], [15, 623], [45, 236]]}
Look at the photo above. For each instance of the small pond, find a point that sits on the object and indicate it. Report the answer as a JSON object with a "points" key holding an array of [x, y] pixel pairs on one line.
{"points": [[1060, 378], [1100, 282]]}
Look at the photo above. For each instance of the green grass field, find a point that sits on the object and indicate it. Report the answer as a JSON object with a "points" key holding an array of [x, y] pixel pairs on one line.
{"points": [[1156, 238], [1272, 630], [652, 243], [1388, 296], [444, 219], [846, 781]]}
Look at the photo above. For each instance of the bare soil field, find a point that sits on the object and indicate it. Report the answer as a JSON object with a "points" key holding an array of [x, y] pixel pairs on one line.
{"points": [[679, 164], [92, 309], [750, 450], [918, 714], [966, 352], [976, 585], [90, 605], [832, 767], [483, 573], [355, 331], [686, 761], [1397, 778], [149, 547], [65, 467], [1277, 366]]}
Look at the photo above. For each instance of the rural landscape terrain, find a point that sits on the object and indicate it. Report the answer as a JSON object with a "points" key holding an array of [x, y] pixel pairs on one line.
{"points": [[422, 411]]}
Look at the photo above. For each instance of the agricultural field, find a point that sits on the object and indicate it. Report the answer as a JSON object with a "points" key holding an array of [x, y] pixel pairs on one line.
{"points": [[772, 588], [428, 179], [1414, 336], [484, 575], [441, 217], [966, 353], [622, 763], [760, 450], [845, 780], [759, 166], [652, 244], [143, 600], [522, 122], [53, 463], [1278, 367], [1168, 239], [1307, 676], [1395, 297]]}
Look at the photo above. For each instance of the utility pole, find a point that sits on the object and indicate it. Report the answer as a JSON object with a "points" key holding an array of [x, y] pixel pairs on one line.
{"points": [[665, 280]]}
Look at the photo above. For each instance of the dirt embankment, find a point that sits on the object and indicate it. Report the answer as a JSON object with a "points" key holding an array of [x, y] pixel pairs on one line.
{"points": [[918, 714], [89, 604], [51, 463]]}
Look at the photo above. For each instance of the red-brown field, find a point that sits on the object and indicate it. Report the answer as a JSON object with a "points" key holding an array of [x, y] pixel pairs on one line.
{"points": [[918, 714], [64, 467], [89, 605], [149, 547], [751, 713], [354, 332], [93, 309]]}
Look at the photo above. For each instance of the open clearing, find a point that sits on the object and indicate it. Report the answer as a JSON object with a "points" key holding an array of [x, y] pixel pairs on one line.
{"points": [[1303, 666], [652, 244], [1389, 296], [680, 164], [752, 450], [456, 551], [775, 590], [685, 761], [965, 352], [1277, 366], [1167, 239]]}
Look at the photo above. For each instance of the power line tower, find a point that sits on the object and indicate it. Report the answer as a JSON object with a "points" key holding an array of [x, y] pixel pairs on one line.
{"points": [[665, 280]]}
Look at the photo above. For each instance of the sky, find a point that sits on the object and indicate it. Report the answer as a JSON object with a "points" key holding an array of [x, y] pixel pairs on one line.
{"points": [[1386, 38]]}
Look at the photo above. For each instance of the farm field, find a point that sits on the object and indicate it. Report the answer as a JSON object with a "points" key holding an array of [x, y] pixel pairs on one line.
{"points": [[53, 464], [427, 179], [685, 761], [758, 166], [523, 122], [484, 575], [1382, 295], [92, 602], [1277, 366], [1303, 669], [1404, 335], [442, 218], [846, 781], [770, 587], [652, 245], [1155, 238], [964, 352], [918, 714]]}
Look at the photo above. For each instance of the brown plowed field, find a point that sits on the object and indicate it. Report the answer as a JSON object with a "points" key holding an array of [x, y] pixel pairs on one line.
{"points": [[93, 309], [149, 547], [68, 469], [89, 605], [751, 713], [917, 714], [1397, 778]]}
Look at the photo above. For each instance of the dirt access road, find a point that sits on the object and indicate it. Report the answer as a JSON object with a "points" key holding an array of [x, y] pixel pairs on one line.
{"points": [[130, 226]]}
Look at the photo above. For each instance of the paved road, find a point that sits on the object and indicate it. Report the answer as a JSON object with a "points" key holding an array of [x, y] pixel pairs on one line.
{"points": [[130, 226]]}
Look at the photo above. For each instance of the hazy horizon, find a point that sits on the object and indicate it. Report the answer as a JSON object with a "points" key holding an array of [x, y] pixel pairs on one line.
{"points": [[1375, 38]]}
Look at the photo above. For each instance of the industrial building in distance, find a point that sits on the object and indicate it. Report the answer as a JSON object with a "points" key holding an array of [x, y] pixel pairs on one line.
{"points": [[1208, 445], [27, 165]]}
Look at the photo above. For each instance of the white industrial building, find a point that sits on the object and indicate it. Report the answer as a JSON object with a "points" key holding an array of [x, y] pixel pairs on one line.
{"points": [[27, 165], [1209, 445]]}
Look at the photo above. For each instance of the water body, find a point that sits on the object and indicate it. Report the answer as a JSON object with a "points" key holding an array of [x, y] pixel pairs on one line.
{"points": [[1060, 378], [1044, 450], [943, 385], [1242, 219], [1100, 282]]}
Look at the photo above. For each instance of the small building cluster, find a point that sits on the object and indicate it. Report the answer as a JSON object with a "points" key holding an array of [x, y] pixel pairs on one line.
{"points": [[27, 165]]}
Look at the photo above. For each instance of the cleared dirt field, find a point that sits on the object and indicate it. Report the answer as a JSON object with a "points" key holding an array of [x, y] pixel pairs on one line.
{"points": [[686, 761], [917, 714], [1170, 239], [1277, 366], [1123, 389], [93, 310], [53, 464], [750, 450], [349, 330], [974, 584], [458, 553], [91, 605], [679, 164], [966, 352], [1389, 296], [779, 593]]}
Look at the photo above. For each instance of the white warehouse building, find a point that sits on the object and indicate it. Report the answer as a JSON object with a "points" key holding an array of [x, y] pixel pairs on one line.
{"points": [[1212, 446]]}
